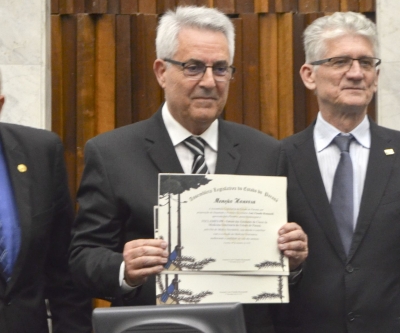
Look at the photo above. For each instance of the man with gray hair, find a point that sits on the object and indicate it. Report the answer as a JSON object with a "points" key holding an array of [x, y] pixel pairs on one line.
{"points": [[36, 215], [113, 250], [343, 189]]}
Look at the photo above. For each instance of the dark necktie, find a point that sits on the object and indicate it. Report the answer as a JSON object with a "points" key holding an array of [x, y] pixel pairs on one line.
{"points": [[342, 192], [196, 146]]}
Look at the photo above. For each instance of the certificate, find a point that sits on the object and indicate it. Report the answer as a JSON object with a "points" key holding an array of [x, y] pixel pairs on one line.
{"points": [[222, 223], [222, 234]]}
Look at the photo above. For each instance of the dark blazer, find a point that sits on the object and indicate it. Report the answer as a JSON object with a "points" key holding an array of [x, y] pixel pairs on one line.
{"points": [[45, 217], [360, 293], [119, 190]]}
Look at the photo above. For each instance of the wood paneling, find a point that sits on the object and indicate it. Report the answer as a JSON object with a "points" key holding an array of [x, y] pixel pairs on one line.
{"points": [[85, 107], [285, 74], [105, 73], [269, 105]]}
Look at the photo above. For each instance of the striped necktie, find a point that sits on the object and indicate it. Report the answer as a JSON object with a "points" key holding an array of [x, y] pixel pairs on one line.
{"points": [[196, 146]]}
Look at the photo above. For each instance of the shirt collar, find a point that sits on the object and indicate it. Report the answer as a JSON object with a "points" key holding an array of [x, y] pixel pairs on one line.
{"points": [[325, 132], [178, 133]]}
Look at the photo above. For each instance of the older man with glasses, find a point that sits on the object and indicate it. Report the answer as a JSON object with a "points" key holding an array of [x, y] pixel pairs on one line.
{"points": [[343, 189], [113, 251]]}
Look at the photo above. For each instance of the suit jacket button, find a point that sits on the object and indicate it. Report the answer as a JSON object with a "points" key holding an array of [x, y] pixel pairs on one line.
{"points": [[349, 269], [351, 316]]}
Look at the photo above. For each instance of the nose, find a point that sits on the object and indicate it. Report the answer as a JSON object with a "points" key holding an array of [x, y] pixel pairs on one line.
{"points": [[208, 78], [355, 69]]}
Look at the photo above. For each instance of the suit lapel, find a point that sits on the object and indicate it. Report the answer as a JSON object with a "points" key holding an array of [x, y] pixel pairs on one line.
{"points": [[228, 157], [305, 165], [378, 164], [21, 183], [159, 146]]}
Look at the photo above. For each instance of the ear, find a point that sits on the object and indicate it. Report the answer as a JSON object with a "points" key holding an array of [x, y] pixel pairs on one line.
{"points": [[307, 74], [1, 101], [376, 80], [159, 68]]}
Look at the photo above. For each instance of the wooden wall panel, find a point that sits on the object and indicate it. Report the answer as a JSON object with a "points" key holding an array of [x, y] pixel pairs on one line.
{"points": [[308, 6], [226, 6], [147, 6], [128, 6], [69, 67], [250, 54], [285, 74], [349, 5], [367, 6], [329, 6], [264, 6], [57, 118], [234, 106], [299, 93], [96, 7], [85, 103], [123, 84], [269, 105], [105, 73]]}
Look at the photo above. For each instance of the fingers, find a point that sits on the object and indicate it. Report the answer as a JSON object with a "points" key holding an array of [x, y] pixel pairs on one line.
{"points": [[144, 257], [294, 244]]}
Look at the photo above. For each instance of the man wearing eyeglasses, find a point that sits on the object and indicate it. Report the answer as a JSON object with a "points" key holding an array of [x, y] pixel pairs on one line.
{"points": [[343, 189], [113, 252]]}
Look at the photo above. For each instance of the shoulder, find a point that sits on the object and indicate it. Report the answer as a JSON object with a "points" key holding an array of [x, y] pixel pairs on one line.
{"points": [[245, 134], [124, 134], [28, 136]]}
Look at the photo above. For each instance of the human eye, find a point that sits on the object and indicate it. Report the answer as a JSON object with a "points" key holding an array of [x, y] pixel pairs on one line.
{"points": [[194, 68], [340, 61], [367, 63], [220, 69]]}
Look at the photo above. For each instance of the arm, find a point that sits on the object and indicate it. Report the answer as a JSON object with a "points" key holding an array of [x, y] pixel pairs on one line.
{"points": [[70, 309]]}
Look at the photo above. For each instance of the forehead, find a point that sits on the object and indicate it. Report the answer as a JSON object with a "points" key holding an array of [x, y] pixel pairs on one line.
{"points": [[201, 44], [349, 45]]}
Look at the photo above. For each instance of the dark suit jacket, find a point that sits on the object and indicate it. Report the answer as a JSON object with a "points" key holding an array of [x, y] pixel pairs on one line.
{"points": [[360, 293], [119, 190], [45, 217]]}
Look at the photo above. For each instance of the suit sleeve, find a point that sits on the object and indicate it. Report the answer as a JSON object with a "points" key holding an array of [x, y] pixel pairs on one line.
{"points": [[70, 309], [96, 248]]}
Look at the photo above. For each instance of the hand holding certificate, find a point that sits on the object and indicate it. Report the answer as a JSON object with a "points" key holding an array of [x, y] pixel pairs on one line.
{"points": [[222, 233]]}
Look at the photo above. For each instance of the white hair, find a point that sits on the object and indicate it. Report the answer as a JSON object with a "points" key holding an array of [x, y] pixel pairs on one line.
{"points": [[333, 26], [172, 22]]}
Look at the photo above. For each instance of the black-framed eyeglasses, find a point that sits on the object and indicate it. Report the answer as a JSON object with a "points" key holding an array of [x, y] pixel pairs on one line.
{"points": [[194, 70], [345, 63]]}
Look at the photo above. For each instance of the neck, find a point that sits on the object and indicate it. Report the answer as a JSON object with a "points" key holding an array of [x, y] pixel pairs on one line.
{"points": [[344, 120]]}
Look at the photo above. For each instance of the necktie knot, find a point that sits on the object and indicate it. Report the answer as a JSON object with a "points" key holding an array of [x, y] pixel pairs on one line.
{"points": [[196, 145], [343, 142]]}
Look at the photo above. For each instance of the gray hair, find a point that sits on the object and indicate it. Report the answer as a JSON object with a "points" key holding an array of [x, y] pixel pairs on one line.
{"points": [[333, 26], [172, 22]]}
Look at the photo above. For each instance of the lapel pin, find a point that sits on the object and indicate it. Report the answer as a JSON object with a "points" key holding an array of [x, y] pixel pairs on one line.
{"points": [[22, 168], [389, 151]]}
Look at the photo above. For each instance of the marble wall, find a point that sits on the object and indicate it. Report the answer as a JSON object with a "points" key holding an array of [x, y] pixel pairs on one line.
{"points": [[389, 81], [25, 62]]}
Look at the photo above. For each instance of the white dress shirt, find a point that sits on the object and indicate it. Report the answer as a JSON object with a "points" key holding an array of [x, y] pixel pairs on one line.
{"points": [[328, 155], [178, 134]]}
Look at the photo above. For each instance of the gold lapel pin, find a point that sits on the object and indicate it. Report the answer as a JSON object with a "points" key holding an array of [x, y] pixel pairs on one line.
{"points": [[389, 151], [22, 168]]}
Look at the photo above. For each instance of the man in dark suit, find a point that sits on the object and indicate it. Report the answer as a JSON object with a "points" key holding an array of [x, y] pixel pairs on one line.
{"points": [[351, 279], [112, 249], [35, 224]]}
